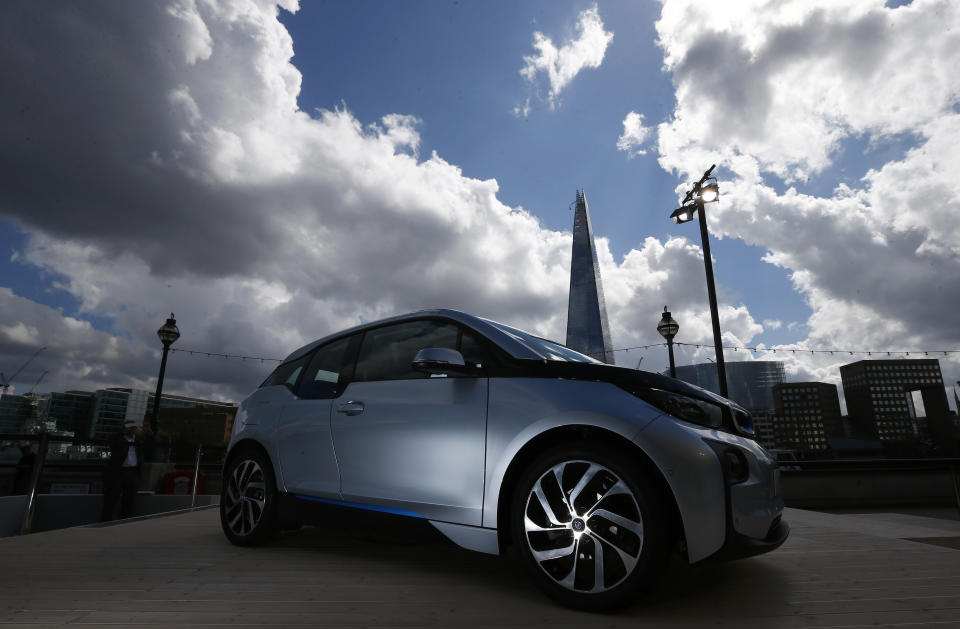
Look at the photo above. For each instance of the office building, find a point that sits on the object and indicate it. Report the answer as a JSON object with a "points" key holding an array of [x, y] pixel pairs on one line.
{"points": [[749, 383], [805, 414], [15, 411], [587, 329], [763, 428], [198, 425], [113, 406], [899, 401], [23, 414], [71, 411]]}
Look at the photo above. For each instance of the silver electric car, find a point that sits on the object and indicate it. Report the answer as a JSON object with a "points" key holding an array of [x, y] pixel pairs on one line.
{"points": [[498, 438]]}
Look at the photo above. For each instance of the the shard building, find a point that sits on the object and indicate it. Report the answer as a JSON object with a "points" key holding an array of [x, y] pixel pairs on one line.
{"points": [[587, 328]]}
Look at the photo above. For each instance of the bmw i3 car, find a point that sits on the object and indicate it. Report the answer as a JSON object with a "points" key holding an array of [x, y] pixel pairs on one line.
{"points": [[497, 439]]}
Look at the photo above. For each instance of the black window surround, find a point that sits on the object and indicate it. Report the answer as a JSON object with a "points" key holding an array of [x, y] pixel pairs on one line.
{"points": [[476, 350], [387, 353], [286, 374], [329, 368]]}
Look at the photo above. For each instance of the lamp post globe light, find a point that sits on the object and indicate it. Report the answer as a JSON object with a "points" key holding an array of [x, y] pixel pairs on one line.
{"points": [[668, 329], [168, 334], [705, 191]]}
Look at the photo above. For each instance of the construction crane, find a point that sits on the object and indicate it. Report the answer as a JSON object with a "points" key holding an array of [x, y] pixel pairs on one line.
{"points": [[37, 383], [6, 382]]}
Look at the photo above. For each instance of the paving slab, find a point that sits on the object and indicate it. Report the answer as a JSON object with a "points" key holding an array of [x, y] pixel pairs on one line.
{"points": [[862, 570]]}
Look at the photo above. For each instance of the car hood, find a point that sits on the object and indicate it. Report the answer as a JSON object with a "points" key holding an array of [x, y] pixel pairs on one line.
{"points": [[620, 376]]}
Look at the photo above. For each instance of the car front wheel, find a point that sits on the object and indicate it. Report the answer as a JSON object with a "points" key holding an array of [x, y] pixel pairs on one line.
{"points": [[590, 526], [248, 501]]}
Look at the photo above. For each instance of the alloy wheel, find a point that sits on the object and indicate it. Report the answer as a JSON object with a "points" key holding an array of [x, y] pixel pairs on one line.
{"points": [[245, 497], [583, 526]]}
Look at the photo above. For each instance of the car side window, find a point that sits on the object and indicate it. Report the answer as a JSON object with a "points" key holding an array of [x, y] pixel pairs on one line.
{"points": [[327, 370], [286, 374], [474, 354], [387, 353]]}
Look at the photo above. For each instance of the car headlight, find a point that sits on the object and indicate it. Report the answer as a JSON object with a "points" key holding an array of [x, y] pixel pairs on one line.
{"points": [[691, 409], [698, 411]]}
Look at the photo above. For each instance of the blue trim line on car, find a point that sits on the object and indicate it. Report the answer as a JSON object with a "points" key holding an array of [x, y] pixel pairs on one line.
{"points": [[360, 505]]}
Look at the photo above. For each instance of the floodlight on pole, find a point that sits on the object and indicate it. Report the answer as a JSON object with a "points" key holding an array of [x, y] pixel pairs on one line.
{"points": [[710, 192], [707, 190], [684, 214]]}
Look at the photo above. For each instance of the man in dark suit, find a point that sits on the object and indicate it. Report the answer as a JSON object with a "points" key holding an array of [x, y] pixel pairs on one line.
{"points": [[21, 482], [121, 477]]}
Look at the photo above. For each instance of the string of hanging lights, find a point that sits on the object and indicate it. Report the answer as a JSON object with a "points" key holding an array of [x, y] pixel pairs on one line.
{"points": [[735, 348], [805, 350], [197, 352]]}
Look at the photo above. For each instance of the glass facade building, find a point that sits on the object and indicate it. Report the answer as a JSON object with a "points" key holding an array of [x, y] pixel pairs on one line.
{"points": [[15, 411], [587, 329], [749, 383], [23, 413], [113, 406], [71, 411]]}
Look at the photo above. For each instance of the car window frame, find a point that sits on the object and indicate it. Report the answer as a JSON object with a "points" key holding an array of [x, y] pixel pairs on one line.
{"points": [[305, 362], [482, 341], [347, 369]]}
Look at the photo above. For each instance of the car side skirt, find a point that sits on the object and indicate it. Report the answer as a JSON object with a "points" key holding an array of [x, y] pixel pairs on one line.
{"points": [[328, 512]]}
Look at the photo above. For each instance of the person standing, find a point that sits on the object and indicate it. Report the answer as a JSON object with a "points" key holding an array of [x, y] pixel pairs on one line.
{"points": [[121, 477], [21, 482]]}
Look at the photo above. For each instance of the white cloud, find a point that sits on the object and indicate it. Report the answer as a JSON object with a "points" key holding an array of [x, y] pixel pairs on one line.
{"points": [[634, 135], [785, 82], [212, 195], [209, 193], [562, 64], [263, 228], [781, 87], [772, 324]]}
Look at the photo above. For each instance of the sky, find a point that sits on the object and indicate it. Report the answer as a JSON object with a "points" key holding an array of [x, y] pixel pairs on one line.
{"points": [[272, 173]]}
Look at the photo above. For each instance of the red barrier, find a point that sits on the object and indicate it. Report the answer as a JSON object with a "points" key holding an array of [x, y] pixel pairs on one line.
{"points": [[181, 482]]}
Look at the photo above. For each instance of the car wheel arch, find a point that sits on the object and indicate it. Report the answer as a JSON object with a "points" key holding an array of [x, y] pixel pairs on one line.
{"points": [[576, 434], [247, 444]]}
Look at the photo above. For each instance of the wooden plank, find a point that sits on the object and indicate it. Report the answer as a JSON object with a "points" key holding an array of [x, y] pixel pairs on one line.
{"points": [[181, 571]]}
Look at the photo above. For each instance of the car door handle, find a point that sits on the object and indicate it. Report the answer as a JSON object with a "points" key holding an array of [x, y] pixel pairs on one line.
{"points": [[350, 408]]}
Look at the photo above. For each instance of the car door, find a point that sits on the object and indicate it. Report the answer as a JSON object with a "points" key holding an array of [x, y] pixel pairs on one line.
{"points": [[307, 458], [411, 441]]}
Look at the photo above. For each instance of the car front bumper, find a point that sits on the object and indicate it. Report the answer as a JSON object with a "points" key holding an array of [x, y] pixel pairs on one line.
{"points": [[740, 546], [722, 517]]}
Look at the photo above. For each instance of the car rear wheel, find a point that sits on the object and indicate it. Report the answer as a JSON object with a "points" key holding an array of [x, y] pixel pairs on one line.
{"points": [[589, 526], [248, 501]]}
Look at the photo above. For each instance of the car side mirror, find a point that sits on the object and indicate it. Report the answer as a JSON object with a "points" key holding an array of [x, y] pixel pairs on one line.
{"points": [[439, 360]]}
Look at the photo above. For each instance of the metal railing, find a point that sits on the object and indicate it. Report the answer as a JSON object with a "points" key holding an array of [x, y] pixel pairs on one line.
{"points": [[26, 522], [827, 466], [855, 466], [40, 462]]}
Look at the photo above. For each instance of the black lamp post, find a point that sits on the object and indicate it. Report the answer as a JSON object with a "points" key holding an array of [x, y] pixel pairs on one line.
{"points": [[668, 329], [706, 191], [168, 334]]}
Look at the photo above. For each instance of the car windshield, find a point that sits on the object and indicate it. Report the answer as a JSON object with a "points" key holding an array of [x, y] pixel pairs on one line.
{"points": [[547, 349]]}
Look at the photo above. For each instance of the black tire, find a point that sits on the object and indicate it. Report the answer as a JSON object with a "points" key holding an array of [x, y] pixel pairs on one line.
{"points": [[249, 511], [629, 524]]}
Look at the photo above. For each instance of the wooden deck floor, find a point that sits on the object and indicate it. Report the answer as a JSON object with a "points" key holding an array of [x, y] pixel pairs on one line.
{"points": [[834, 571]]}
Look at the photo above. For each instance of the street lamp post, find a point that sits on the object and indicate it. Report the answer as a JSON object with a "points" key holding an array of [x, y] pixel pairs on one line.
{"points": [[668, 329], [706, 191], [168, 334]]}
